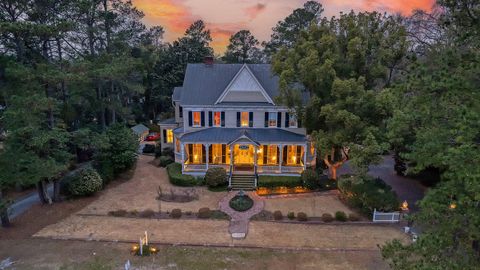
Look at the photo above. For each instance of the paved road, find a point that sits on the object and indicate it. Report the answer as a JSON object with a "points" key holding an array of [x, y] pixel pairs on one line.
{"points": [[24, 203], [406, 188]]}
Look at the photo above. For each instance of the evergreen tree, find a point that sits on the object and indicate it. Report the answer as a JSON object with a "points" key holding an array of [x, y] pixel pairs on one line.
{"points": [[242, 48]]}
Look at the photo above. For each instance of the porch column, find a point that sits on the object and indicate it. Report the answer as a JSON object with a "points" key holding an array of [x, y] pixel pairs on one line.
{"points": [[231, 155], [207, 146], [304, 156], [280, 160], [182, 149], [255, 149]]}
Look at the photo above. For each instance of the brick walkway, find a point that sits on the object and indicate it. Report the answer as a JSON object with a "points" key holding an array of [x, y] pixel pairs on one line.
{"points": [[238, 227]]}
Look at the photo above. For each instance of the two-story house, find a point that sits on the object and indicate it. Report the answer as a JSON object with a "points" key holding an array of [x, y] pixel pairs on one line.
{"points": [[226, 116]]}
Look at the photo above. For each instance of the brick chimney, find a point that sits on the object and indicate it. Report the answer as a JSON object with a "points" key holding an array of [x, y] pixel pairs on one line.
{"points": [[208, 60]]}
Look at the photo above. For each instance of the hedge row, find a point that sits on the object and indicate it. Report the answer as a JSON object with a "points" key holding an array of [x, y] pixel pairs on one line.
{"points": [[174, 171], [279, 181]]}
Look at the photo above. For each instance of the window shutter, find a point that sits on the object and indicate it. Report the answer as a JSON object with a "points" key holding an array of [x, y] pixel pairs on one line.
{"points": [[223, 118], [279, 119], [204, 156], [203, 118], [287, 120], [180, 111], [224, 153], [250, 119], [265, 154], [299, 121], [164, 136], [210, 120], [210, 155], [266, 119], [299, 154], [190, 118], [238, 119], [190, 152], [285, 152], [278, 154]]}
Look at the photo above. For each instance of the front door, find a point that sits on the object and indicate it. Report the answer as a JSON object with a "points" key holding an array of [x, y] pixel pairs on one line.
{"points": [[243, 156]]}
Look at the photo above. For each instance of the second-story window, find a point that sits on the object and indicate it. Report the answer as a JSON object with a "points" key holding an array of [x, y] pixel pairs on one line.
{"points": [[244, 119], [217, 119], [272, 119], [197, 122], [292, 121]]}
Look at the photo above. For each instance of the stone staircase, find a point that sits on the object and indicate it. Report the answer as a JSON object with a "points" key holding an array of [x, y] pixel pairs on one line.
{"points": [[243, 182]]}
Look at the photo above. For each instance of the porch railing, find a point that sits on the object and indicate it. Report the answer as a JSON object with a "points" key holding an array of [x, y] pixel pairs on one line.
{"points": [[292, 169]]}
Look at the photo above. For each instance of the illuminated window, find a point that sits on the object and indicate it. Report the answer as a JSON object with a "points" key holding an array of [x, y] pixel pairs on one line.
{"points": [[177, 145], [272, 155], [196, 119], [196, 154], [217, 120], [217, 154], [292, 154], [244, 119], [267, 155], [292, 121], [272, 119], [169, 136]]}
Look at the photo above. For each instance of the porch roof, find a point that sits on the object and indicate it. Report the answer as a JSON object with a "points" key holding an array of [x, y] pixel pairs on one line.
{"points": [[257, 135]]}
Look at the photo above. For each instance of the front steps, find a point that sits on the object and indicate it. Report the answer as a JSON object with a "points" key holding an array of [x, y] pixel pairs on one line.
{"points": [[243, 182]]}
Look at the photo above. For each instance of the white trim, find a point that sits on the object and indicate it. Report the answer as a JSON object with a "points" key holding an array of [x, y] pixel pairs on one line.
{"points": [[243, 137], [227, 89]]}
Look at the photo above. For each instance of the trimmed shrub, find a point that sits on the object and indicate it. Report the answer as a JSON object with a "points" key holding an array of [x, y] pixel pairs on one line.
{"points": [[216, 176], [310, 179], [301, 216], [241, 203], [147, 213], [105, 170], [204, 212], [271, 181], [341, 216], [118, 213], [353, 217], [176, 177], [163, 161], [86, 183], [291, 215], [366, 194], [217, 214], [176, 213], [327, 217], [277, 215]]}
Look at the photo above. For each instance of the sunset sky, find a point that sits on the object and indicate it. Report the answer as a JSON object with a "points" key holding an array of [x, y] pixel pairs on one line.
{"points": [[225, 17]]}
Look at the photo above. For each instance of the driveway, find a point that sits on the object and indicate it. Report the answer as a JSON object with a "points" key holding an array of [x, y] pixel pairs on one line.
{"points": [[406, 188]]}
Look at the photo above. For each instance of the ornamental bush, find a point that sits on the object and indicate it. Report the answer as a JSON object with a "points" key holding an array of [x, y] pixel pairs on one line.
{"points": [[163, 161], [215, 177], [241, 203], [149, 213], [327, 217], [310, 179], [301, 216], [277, 215], [86, 183], [291, 215], [367, 194], [176, 177], [204, 212], [341, 216], [176, 213]]}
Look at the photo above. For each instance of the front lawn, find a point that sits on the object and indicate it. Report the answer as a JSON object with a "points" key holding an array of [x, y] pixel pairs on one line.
{"points": [[271, 181]]}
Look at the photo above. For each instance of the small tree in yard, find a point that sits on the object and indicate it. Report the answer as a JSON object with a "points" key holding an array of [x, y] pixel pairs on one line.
{"points": [[216, 177], [310, 179], [86, 183]]}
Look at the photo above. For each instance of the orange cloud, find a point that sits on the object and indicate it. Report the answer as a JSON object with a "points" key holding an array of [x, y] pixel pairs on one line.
{"points": [[403, 7], [253, 11]]}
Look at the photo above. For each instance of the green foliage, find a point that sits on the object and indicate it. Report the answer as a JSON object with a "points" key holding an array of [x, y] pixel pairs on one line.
{"points": [[204, 212], [86, 183], [327, 217], [279, 181], [368, 194], [164, 161], [310, 179], [174, 171], [242, 48], [215, 177], [241, 203], [341, 216], [176, 213], [291, 215], [301, 216]]}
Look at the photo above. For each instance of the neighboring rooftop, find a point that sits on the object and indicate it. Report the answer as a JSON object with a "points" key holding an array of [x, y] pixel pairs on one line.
{"points": [[140, 129], [168, 121]]}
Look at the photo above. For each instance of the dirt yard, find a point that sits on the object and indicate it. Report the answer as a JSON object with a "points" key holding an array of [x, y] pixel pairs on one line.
{"points": [[141, 191]]}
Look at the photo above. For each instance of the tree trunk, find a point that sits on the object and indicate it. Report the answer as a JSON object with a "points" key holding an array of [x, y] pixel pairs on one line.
{"points": [[107, 25], [4, 213], [42, 188], [56, 190], [332, 165], [101, 113]]}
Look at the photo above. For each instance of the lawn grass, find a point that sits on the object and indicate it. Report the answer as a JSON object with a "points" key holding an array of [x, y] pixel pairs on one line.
{"points": [[279, 181]]}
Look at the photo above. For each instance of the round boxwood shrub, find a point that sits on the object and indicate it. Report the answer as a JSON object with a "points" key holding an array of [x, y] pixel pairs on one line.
{"points": [[327, 217], [216, 176], [163, 161], [310, 179], [149, 213], [301, 216], [277, 215], [204, 212], [176, 213], [86, 183], [341, 216], [291, 215], [241, 202]]}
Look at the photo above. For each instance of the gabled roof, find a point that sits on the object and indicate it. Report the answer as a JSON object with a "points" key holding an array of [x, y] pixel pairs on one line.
{"points": [[204, 84], [139, 129]]}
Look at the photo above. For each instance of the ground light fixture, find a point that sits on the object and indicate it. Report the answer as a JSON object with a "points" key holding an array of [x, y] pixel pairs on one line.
{"points": [[143, 248]]}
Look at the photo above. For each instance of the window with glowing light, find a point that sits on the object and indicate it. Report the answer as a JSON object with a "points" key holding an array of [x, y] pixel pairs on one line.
{"points": [[177, 145], [196, 119], [244, 119], [169, 136], [217, 121], [272, 119], [196, 154], [267, 155], [294, 155]]}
